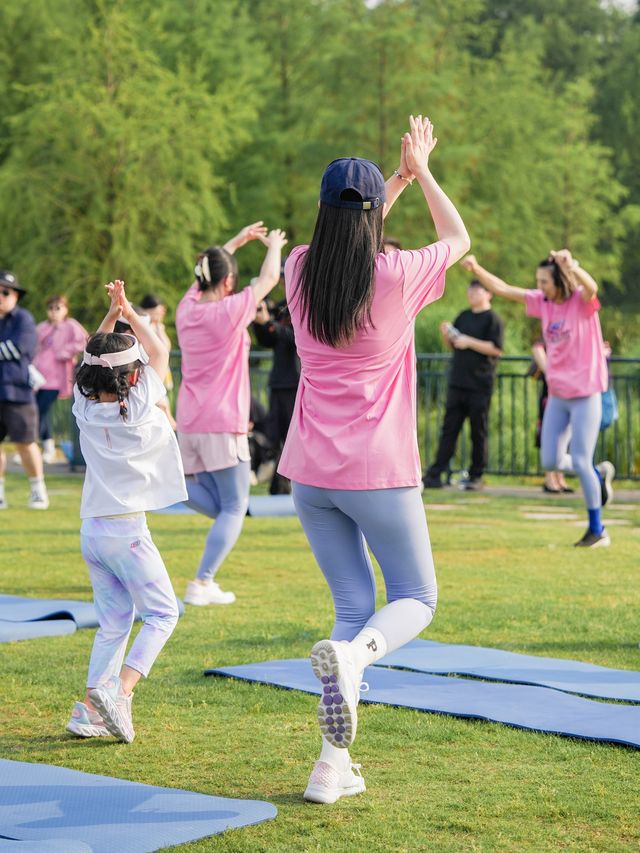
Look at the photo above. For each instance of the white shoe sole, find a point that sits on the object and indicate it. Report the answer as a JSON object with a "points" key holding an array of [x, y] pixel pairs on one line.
{"points": [[608, 472], [337, 717], [601, 543], [84, 730], [38, 506], [326, 796], [113, 719], [198, 603]]}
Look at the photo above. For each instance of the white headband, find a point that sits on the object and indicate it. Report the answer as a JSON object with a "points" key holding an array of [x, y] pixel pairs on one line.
{"points": [[117, 359]]}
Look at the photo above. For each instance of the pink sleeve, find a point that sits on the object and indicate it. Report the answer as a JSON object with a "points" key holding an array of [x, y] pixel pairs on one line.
{"points": [[591, 307], [76, 340], [533, 300], [423, 275], [241, 308]]}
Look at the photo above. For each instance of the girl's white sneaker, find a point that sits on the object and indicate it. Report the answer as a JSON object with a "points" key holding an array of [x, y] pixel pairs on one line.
{"points": [[202, 594], [326, 784]]}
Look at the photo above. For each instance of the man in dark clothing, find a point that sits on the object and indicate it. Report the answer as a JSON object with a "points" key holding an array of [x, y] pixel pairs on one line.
{"points": [[477, 339], [18, 410], [276, 333]]}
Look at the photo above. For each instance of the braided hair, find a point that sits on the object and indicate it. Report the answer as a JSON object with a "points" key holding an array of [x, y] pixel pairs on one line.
{"points": [[93, 379]]}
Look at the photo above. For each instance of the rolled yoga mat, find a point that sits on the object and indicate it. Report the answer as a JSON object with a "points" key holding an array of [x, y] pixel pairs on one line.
{"points": [[41, 803], [570, 676], [30, 618], [534, 708]]}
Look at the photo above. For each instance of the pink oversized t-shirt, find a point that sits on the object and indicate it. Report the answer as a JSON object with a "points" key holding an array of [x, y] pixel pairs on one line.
{"points": [[354, 421], [214, 394], [55, 357], [576, 363]]}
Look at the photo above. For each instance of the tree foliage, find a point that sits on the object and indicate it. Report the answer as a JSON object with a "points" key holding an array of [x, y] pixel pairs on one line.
{"points": [[132, 134]]}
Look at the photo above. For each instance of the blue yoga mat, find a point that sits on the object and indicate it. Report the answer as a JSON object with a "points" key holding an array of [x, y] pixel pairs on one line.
{"points": [[30, 618], [570, 676], [59, 845], [40, 803], [260, 506], [534, 708], [14, 608]]}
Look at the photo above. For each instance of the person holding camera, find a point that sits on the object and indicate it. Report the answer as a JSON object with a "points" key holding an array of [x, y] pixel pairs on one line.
{"points": [[275, 332], [476, 338], [214, 396], [18, 410]]}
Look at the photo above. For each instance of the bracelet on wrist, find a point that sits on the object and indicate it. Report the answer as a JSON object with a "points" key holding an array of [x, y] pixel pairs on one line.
{"points": [[402, 178]]}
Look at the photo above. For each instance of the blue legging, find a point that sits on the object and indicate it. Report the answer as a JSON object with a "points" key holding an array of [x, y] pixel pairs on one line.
{"points": [[576, 420], [392, 521], [223, 495]]}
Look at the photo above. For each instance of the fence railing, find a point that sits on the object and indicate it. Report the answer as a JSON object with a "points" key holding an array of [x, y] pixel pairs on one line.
{"points": [[512, 420]]}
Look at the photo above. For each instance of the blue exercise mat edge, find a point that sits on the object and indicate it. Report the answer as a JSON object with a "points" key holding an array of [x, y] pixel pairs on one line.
{"points": [[531, 708], [27, 788], [564, 674]]}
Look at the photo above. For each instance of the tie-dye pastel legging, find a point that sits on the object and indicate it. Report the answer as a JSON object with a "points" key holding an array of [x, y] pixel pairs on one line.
{"points": [[128, 575]]}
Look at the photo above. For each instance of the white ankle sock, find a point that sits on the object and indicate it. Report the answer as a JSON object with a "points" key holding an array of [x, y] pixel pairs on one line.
{"points": [[368, 646], [37, 485], [339, 759]]}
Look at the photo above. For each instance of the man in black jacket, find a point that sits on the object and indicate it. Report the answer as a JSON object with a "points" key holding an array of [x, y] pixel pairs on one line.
{"points": [[476, 338], [18, 410], [276, 333]]}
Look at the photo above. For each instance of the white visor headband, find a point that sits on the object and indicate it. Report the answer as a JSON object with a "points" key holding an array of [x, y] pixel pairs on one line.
{"points": [[117, 359]]}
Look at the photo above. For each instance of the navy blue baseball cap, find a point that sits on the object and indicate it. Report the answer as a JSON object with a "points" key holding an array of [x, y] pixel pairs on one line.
{"points": [[355, 174]]}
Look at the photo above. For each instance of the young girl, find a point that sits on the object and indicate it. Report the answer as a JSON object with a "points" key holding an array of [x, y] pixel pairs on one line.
{"points": [[566, 302], [352, 452], [133, 465], [214, 397]]}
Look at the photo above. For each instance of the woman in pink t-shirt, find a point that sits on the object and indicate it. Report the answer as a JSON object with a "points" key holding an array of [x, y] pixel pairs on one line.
{"points": [[566, 302], [60, 339], [351, 451], [214, 396]]}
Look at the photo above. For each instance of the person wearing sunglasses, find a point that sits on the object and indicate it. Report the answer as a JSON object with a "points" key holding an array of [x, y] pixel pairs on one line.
{"points": [[18, 411]]}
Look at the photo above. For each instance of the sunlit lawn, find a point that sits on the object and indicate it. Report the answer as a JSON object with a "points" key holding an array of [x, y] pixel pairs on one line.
{"points": [[434, 782]]}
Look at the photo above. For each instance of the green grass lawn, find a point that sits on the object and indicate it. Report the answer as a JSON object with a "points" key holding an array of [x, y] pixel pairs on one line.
{"points": [[435, 783]]}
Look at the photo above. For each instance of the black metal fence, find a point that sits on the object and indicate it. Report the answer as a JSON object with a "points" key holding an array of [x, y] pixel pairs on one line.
{"points": [[514, 411]]}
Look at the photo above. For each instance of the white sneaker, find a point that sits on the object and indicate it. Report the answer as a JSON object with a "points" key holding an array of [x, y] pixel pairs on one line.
{"points": [[114, 708], [86, 723], [326, 784], [201, 594], [38, 499], [4, 503], [607, 473], [333, 666], [49, 455]]}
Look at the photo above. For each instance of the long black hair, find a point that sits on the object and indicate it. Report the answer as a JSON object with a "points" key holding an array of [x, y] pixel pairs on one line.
{"points": [[221, 264], [92, 379], [562, 282], [335, 288]]}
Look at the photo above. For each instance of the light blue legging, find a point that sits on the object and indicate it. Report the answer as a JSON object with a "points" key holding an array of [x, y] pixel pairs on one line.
{"points": [[576, 420], [392, 521], [223, 495]]}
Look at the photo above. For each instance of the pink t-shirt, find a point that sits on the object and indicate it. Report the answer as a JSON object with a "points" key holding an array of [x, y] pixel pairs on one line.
{"points": [[55, 357], [576, 363], [214, 395], [354, 421]]}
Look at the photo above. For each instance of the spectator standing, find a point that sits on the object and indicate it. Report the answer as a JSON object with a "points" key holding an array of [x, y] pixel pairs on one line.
{"points": [[60, 339], [18, 411], [276, 333], [476, 338]]}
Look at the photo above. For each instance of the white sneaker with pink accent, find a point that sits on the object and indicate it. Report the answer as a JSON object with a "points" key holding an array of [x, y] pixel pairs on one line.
{"points": [[326, 784]]}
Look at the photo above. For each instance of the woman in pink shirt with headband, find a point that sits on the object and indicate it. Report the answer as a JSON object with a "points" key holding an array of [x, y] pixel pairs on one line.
{"points": [[214, 396], [60, 339], [352, 450], [566, 302]]}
